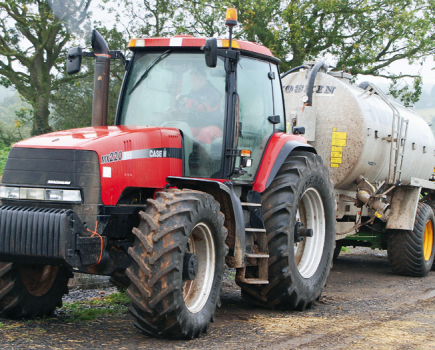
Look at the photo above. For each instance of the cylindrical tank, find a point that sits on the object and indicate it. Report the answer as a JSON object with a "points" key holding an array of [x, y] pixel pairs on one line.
{"points": [[352, 127]]}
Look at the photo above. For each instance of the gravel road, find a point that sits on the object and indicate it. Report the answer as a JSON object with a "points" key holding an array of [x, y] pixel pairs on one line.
{"points": [[364, 306]]}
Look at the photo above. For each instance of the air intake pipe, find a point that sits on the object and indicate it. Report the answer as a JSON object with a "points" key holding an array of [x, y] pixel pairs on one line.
{"points": [[101, 80]]}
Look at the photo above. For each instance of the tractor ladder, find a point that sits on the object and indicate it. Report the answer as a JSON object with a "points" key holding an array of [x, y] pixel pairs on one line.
{"points": [[257, 253], [397, 138]]}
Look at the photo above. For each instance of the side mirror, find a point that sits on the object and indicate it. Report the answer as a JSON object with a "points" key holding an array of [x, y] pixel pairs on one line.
{"points": [[74, 60], [210, 50]]}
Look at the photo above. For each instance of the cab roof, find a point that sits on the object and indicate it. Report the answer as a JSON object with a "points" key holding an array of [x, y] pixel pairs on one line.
{"points": [[190, 41]]}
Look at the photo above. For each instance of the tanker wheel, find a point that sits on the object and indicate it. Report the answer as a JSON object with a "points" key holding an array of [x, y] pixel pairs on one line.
{"points": [[178, 264], [411, 253], [432, 205], [301, 192], [337, 251], [32, 291]]}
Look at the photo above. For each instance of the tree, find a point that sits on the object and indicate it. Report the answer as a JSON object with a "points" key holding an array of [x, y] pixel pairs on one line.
{"points": [[33, 35], [363, 36], [72, 102]]}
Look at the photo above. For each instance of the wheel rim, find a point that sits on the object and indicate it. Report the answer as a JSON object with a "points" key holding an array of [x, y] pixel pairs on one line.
{"points": [[311, 213], [39, 280], [197, 291], [428, 240]]}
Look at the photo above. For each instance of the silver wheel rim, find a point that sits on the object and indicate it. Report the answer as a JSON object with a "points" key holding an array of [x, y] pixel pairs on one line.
{"points": [[311, 213], [197, 291]]}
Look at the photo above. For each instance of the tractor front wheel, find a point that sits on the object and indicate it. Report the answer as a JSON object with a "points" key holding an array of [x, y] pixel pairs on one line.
{"points": [[178, 264], [32, 291]]}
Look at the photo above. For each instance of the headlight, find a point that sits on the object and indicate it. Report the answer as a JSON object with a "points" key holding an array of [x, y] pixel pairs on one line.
{"points": [[10, 192], [63, 195], [40, 194]]}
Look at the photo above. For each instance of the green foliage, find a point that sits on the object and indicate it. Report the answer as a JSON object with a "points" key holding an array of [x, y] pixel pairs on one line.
{"points": [[115, 303], [4, 152], [33, 34], [72, 102], [362, 36]]}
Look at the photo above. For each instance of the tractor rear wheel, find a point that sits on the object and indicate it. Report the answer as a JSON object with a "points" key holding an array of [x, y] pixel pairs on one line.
{"points": [[178, 264], [411, 253], [300, 194], [32, 291]]}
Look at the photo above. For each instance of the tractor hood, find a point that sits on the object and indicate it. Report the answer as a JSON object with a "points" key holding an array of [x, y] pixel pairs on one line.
{"points": [[91, 138], [127, 156]]}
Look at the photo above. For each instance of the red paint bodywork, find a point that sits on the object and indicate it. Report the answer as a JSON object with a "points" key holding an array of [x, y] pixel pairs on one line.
{"points": [[142, 173], [273, 148]]}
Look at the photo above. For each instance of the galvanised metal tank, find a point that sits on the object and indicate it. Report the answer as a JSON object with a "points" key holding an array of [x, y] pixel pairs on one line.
{"points": [[351, 129]]}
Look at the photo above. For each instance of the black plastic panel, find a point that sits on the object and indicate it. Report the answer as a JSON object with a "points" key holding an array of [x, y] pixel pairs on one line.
{"points": [[36, 235]]}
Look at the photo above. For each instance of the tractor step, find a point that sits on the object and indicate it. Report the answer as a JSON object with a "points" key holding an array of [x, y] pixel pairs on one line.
{"points": [[257, 255], [255, 281], [246, 204]]}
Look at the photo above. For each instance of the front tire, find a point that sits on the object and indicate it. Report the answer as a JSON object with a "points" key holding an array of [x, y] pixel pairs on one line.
{"points": [[32, 291], [300, 192], [411, 253], [178, 264]]}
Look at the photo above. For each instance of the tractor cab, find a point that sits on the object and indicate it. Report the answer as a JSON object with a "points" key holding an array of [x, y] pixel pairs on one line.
{"points": [[226, 112]]}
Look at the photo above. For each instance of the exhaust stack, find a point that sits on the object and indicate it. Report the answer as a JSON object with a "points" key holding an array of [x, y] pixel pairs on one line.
{"points": [[101, 80]]}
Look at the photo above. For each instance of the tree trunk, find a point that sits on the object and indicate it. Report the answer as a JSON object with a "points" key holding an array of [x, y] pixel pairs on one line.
{"points": [[41, 113]]}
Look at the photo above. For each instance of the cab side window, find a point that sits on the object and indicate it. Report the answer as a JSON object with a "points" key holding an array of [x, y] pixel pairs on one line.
{"points": [[256, 92]]}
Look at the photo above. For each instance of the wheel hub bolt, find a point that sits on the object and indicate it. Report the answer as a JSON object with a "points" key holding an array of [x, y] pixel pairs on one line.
{"points": [[190, 266]]}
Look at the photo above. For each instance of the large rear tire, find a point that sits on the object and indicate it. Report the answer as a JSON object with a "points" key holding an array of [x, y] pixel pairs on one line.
{"points": [[32, 291], [411, 253], [178, 264], [301, 192]]}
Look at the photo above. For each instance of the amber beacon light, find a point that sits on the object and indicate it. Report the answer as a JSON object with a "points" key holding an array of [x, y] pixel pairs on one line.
{"points": [[231, 17]]}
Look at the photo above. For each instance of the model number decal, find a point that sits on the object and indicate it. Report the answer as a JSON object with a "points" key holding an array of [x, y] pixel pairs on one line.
{"points": [[111, 157]]}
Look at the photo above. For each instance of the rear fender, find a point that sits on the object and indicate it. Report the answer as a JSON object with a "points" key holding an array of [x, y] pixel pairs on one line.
{"points": [[278, 149]]}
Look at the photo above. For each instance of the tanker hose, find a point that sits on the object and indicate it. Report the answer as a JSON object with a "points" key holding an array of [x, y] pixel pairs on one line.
{"points": [[311, 79], [283, 75]]}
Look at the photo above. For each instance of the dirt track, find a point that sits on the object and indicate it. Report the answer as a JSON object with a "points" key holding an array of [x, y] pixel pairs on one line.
{"points": [[363, 306]]}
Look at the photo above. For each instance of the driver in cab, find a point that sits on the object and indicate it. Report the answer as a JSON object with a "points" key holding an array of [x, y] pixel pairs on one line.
{"points": [[203, 105]]}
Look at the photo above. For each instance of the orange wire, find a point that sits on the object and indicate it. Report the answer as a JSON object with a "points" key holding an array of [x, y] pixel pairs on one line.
{"points": [[101, 240]]}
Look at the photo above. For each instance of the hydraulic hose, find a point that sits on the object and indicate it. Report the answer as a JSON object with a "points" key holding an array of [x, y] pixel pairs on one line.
{"points": [[291, 71], [311, 79]]}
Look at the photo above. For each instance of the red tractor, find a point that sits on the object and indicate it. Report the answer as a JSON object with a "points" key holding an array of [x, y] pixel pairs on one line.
{"points": [[198, 173]]}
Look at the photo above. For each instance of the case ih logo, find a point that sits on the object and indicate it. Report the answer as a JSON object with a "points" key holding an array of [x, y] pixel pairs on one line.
{"points": [[141, 154], [318, 89]]}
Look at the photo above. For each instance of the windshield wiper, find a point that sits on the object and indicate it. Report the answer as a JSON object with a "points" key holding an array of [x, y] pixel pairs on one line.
{"points": [[144, 75]]}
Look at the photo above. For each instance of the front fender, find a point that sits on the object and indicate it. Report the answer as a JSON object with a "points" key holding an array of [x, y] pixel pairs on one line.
{"points": [[231, 207], [278, 149]]}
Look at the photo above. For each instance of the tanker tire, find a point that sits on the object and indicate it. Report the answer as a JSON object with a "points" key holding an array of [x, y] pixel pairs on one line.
{"points": [[432, 205], [165, 303], [302, 176], [411, 253], [337, 251], [30, 292]]}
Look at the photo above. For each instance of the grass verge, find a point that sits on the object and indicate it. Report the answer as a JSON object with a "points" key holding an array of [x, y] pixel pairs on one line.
{"points": [[116, 303]]}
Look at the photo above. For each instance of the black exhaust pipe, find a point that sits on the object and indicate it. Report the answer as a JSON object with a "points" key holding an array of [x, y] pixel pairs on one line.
{"points": [[101, 80]]}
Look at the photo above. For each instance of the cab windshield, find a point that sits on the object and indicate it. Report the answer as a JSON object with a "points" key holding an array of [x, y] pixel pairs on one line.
{"points": [[172, 89]]}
